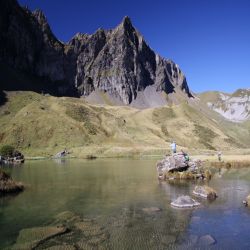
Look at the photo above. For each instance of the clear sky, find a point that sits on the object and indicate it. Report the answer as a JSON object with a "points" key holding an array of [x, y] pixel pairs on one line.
{"points": [[208, 39]]}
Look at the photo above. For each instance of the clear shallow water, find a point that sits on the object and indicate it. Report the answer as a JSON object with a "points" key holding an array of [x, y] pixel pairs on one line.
{"points": [[114, 192]]}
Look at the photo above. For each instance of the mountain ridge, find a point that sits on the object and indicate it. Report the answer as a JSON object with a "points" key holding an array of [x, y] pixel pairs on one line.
{"points": [[232, 106], [117, 61]]}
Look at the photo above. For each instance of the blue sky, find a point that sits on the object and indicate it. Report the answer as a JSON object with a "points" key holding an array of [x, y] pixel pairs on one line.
{"points": [[208, 39]]}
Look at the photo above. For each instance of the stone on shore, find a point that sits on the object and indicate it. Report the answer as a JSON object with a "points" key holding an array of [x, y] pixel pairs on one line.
{"points": [[185, 201], [205, 192]]}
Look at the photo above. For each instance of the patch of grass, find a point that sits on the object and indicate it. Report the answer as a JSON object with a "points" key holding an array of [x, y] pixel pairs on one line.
{"points": [[164, 130], [160, 115], [82, 114], [205, 136]]}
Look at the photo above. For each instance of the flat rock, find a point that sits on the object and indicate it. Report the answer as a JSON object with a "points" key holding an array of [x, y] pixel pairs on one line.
{"points": [[185, 201]]}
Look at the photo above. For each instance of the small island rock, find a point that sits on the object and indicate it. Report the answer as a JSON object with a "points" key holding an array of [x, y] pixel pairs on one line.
{"points": [[185, 201], [205, 192]]}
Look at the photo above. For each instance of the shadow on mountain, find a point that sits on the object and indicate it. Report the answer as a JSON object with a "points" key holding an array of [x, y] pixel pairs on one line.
{"points": [[15, 80], [3, 98]]}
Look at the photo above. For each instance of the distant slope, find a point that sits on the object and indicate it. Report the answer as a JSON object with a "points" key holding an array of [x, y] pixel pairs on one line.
{"points": [[234, 107], [43, 125]]}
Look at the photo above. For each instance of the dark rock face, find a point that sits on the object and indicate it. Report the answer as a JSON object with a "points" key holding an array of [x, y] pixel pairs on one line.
{"points": [[117, 61], [27, 44]]}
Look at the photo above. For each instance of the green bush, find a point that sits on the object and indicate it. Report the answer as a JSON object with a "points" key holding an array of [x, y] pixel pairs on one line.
{"points": [[7, 151]]}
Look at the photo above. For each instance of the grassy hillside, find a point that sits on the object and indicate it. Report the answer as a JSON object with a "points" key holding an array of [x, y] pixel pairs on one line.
{"points": [[43, 125]]}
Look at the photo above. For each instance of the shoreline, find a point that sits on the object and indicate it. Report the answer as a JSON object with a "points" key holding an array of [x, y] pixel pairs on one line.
{"points": [[231, 158]]}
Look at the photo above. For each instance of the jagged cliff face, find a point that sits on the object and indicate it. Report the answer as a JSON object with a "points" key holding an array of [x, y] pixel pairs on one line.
{"points": [[121, 63], [117, 61], [27, 42]]}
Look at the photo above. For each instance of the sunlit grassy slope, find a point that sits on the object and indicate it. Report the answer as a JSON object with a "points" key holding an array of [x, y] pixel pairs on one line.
{"points": [[43, 125]]}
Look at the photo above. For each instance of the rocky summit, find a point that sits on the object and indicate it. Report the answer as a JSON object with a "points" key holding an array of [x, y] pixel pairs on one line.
{"points": [[118, 61]]}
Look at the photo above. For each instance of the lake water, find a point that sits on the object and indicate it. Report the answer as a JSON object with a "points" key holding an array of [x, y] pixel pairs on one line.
{"points": [[118, 195]]}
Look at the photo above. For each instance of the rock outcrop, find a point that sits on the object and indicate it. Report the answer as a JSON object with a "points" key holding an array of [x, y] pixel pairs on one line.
{"points": [[116, 61]]}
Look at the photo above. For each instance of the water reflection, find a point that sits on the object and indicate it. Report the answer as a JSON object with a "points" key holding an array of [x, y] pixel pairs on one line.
{"points": [[121, 196]]}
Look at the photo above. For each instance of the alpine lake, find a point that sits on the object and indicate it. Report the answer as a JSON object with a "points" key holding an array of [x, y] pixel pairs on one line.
{"points": [[120, 204]]}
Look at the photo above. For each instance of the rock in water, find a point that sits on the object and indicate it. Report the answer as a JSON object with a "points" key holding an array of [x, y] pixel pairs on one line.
{"points": [[185, 201], [176, 162], [206, 240], [247, 201], [30, 238], [205, 192], [7, 185]]}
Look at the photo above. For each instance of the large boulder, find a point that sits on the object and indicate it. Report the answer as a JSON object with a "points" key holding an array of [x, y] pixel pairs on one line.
{"points": [[175, 162], [170, 166], [205, 192], [185, 201]]}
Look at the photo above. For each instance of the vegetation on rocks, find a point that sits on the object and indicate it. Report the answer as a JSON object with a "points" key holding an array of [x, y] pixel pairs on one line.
{"points": [[7, 185], [7, 151]]}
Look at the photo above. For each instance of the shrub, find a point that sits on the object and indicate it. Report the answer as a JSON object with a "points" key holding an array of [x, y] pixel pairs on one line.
{"points": [[7, 151]]}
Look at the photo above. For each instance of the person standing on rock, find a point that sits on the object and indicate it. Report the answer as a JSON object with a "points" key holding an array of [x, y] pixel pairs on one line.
{"points": [[173, 147]]}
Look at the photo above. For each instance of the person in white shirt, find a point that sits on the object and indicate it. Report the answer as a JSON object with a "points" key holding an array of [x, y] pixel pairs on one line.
{"points": [[173, 147]]}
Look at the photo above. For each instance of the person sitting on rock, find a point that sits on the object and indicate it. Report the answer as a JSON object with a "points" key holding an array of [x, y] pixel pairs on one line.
{"points": [[186, 156], [173, 147]]}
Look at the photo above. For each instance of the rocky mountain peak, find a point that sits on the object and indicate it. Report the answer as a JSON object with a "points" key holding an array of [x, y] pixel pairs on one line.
{"points": [[118, 61], [126, 23]]}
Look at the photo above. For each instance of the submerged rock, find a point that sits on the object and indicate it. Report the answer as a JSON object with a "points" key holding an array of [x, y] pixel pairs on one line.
{"points": [[205, 192], [185, 201], [7, 185], [32, 237], [151, 209], [61, 247], [206, 240]]}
